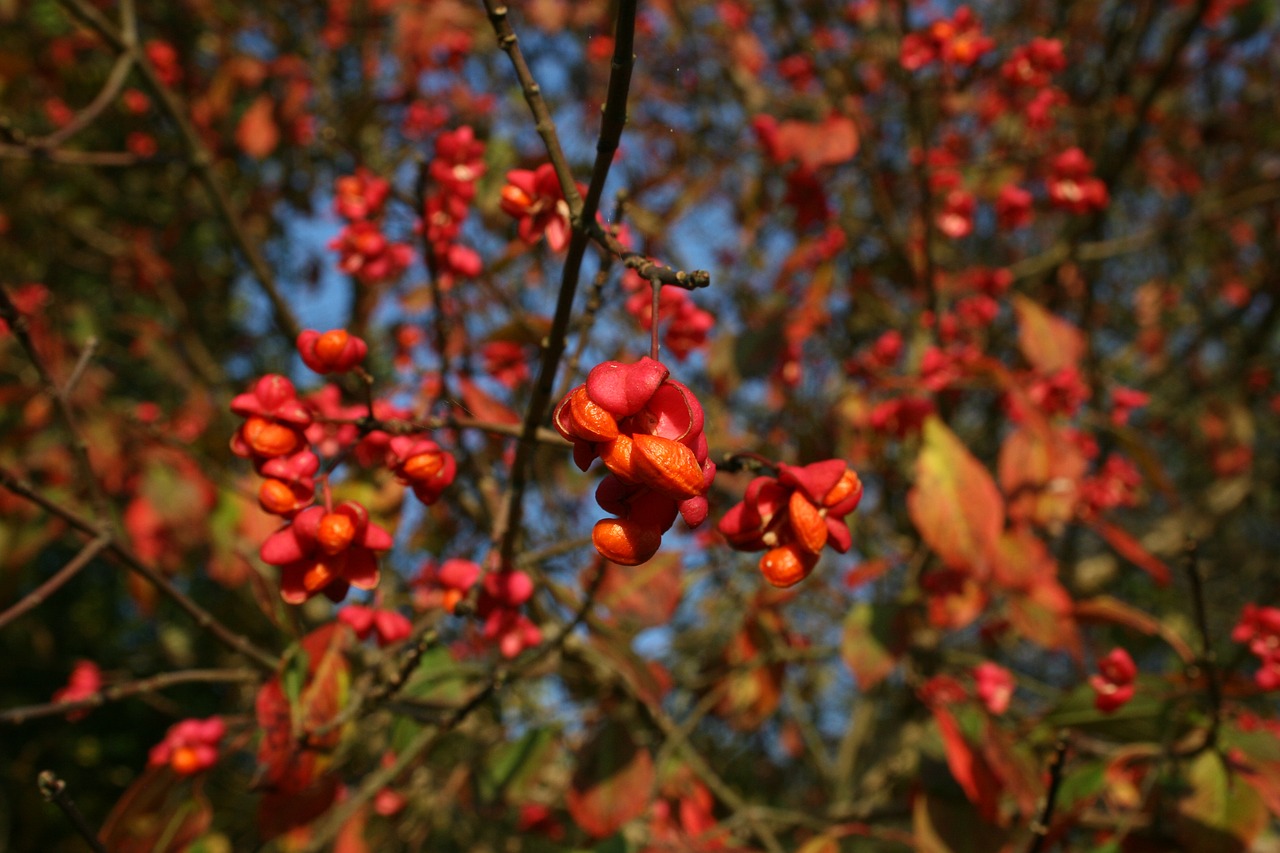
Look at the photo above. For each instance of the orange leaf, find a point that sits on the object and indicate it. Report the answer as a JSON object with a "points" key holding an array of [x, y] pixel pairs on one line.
{"points": [[1043, 614], [1105, 609], [818, 144], [644, 595], [1048, 342], [481, 405], [954, 502], [613, 782], [1040, 473], [1132, 550], [257, 133]]}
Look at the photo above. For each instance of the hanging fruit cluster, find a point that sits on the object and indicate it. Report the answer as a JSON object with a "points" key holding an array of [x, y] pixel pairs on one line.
{"points": [[647, 430], [794, 516]]}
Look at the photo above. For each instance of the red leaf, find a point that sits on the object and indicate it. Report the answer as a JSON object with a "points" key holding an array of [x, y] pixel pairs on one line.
{"points": [[868, 645], [1048, 342], [1132, 550], [1022, 560], [1040, 473], [158, 806], [968, 767], [954, 502], [826, 143], [290, 768], [644, 595], [483, 406], [1018, 772], [257, 133], [1043, 614], [613, 782]]}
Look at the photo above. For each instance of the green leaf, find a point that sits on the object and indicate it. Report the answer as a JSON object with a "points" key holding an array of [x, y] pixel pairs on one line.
{"points": [[512, 764], [1222, 813]]}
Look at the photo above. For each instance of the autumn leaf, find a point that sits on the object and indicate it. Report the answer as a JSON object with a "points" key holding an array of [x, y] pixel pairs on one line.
{"points": [[1124, 544], [818, 144], [481, 405], [1048, 342], [868, 645], [1040, 472], [1221, 813], [159, 811], [954, 502], [613, 782], [257, 133]]}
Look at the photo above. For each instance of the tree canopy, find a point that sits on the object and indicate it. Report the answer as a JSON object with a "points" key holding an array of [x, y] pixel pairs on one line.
{"points": [[928, 351]]}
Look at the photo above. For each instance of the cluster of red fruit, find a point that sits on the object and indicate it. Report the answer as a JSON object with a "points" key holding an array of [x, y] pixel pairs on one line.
{"points": [[793, 517], [1260, 628], [1113, 684], [322, 549], [363, 250], [687, 325], [502, 594], [647, 429], [534, 197], [458, 164]]}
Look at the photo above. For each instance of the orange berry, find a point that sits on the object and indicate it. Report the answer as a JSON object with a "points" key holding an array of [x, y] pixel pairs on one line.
{"points": [[590, 421], [268, 438], [625, 542], [667, 466], [848, 483], [422, 467], [808, 525], [336, 532], [185, 761], [617, 456], [330, 345], [787, 565], [317, 577], [276, 497]]}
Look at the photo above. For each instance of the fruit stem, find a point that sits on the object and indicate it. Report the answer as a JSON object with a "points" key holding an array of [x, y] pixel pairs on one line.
{"points": [[653, 316]]}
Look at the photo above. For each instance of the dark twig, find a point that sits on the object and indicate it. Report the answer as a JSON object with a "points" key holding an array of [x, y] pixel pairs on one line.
{"points": [[1040, 829], [502, 675], [124, 39], [37, 596], [79, 447], [131, 561], [55, 791], [1207, 662], [507, 525], [116, 692]]}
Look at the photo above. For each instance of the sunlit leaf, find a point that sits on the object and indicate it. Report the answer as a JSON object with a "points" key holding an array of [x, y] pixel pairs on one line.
{"points": [[954, 502], [613, 782]]}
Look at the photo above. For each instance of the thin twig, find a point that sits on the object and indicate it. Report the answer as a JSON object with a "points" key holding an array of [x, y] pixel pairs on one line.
{"points": [[507, 525], [131, 561], [55, 791], [79, 447], [198, 156], [502, 675], [116, 692], [114, 83], [37, 596], [1207, 661], [1040, 829]]}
